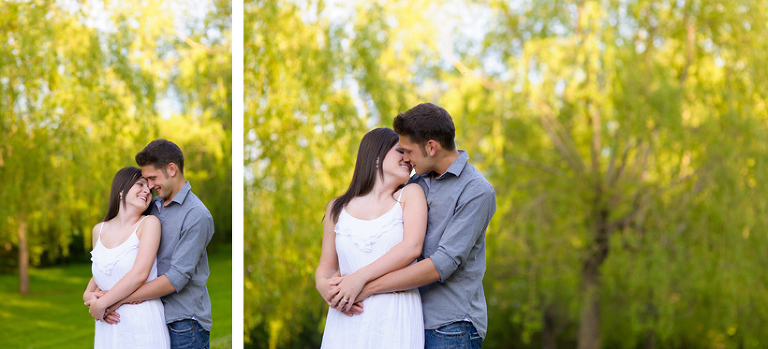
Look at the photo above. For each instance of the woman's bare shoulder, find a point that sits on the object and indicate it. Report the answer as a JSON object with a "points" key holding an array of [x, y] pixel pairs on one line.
{"points": [[150, 219], [149, 224], [412, 190]]}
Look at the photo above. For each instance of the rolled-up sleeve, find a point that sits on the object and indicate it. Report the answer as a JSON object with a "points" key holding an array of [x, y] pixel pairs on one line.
{"points": [[195, 235], [468, 224]]}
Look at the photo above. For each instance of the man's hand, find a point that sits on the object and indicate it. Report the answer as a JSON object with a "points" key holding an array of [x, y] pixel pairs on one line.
{"points": [[356, 309], [112, 316]]}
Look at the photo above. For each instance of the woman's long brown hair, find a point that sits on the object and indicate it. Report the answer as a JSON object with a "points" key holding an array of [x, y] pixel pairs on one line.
{"points": [[373, 148]]}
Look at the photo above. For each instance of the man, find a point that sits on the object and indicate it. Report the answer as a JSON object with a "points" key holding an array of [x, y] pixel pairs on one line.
{"points": [[182, 261], [461, 202]]}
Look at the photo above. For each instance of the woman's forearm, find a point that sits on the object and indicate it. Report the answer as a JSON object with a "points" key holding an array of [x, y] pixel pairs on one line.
{"points": [[89, 290], [127, 285], [400, 256], [322, 274]]}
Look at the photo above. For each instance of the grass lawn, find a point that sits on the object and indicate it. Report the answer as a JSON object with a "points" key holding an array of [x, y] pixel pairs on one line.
{"points": [[53, 314]]}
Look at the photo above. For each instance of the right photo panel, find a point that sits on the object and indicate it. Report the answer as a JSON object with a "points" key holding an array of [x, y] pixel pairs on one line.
{"points": [[466, 174]]}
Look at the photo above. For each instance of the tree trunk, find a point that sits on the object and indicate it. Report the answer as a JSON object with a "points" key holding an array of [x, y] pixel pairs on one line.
{"points": [[23, 259], [650, 340], [551, 328], [589, 326]]}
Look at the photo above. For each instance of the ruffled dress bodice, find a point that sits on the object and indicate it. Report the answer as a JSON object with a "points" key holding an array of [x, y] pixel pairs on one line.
{"points": [[389, 320], [364, 234], [110, 264]]}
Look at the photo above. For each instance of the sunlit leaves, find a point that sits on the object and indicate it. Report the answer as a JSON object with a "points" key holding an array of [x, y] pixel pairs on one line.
{"points": [[652, 112], [81, 86]]}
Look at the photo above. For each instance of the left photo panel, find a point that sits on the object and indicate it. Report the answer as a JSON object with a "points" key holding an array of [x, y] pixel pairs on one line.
{"points": [[115, 173]]}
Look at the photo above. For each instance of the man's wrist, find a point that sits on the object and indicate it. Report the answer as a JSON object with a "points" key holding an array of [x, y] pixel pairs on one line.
{"points": [[367, 290]]}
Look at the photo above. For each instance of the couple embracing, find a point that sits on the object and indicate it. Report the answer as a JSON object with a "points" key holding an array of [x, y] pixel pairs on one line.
{"points": [[402, 263], [148, 288]]}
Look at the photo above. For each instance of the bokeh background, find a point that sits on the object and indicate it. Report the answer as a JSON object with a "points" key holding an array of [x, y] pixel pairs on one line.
{"points": [[84, 86], [626, 141]]}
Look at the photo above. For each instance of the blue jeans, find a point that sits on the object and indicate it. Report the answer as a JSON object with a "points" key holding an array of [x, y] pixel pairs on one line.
{"points": [[458, 335], [188, 334]]}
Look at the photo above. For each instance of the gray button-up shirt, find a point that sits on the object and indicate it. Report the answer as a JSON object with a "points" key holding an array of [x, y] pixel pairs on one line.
{"points": [[187, 228], [461, 203]]}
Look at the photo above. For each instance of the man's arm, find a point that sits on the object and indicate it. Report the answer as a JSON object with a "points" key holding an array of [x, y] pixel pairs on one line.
{"points": [[412, 276], [466, 226], [194, 238]]}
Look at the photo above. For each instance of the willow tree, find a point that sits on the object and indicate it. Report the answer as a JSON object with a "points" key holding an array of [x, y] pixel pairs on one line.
{"points": [[46, 125], [619, 222], [299, 134], [615, 204], [200, 75], [80, 99]]}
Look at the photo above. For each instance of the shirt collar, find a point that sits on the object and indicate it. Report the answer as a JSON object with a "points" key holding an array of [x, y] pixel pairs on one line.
{"points": [[178, 198], [456, 166]]}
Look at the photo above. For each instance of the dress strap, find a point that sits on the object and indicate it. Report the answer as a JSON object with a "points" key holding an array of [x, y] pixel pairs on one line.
{"points": [[137, 226], [401, 194], [101, 227]]}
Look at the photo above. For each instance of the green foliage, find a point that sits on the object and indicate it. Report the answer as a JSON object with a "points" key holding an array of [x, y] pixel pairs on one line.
{"points": [[82, 91], [636, 126], [311, 93]]}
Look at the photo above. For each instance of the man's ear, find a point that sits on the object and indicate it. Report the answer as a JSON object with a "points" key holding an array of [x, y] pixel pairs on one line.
{"points": [[172, 169], [431, 147]]}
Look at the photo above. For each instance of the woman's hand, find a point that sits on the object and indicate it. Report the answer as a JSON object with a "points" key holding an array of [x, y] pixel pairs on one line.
{"points": [[326, 290], [97, 309], [349, 287], [89, 296]]}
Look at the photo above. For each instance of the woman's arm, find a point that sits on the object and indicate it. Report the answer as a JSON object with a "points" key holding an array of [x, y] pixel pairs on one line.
{"points": [[92, 290], [401, 255], [329, 261], [149, 235]]}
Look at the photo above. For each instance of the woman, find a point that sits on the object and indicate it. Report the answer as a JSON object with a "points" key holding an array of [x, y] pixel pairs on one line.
{"points": [[124, 249], [376, 227]]}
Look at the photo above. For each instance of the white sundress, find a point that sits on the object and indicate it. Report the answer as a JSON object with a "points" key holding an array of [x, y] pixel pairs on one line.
{"points": [[389, 320], [141, 325]]}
